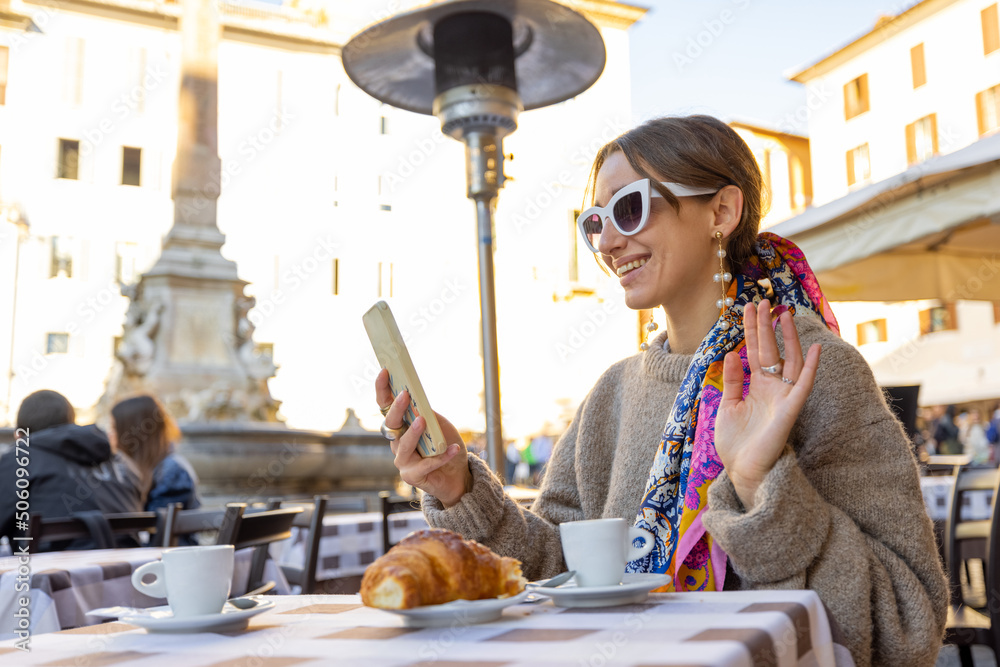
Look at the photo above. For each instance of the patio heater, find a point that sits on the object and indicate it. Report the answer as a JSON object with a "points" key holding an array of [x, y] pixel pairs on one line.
{"points": [[476, 64]]}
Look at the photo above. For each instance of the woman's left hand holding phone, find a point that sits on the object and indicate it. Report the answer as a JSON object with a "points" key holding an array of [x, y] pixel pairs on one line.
{"points": [[446, 477]]}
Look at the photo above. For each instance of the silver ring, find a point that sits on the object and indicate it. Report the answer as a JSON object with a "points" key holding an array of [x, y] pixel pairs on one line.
{"points": [[787, 381], [775, 369], [385, 410], [393, 433]]}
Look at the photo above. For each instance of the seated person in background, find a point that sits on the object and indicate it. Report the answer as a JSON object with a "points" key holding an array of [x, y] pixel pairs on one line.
{"points": [[142, 429], [71, 469]]}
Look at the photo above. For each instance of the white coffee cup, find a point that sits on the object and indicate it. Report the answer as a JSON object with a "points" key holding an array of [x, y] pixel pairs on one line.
{"points": [[599, 548], [195, 580]]}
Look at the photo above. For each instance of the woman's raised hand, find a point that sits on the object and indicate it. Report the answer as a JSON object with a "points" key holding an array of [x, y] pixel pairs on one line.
{"points": [[446, 477], [751, 433]]}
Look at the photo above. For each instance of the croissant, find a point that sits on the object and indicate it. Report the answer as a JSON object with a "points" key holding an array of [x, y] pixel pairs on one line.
{"points": [[437, 566]]}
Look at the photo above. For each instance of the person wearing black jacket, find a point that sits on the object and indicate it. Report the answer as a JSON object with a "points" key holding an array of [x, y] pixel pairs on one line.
{"points": [[71, 469]]}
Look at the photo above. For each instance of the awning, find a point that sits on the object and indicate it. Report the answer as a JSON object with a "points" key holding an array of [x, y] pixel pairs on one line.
{"points": [[931, 232]]}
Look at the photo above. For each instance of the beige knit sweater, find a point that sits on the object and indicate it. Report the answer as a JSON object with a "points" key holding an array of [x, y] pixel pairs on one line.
{"points": [[841, 512]]}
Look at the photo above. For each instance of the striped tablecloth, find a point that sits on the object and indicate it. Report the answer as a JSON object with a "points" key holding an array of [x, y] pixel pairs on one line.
{"points": [[350, 542], [65, 585], [728, 629]]}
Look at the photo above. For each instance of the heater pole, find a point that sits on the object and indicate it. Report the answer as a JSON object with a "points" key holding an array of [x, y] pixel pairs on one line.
{"points": [[484, 174]]}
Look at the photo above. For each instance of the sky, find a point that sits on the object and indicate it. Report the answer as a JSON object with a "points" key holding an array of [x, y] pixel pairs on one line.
{"points": [[730, 58]]}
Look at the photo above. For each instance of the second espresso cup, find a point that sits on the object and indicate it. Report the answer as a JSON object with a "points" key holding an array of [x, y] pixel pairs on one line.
{"points": [[195, 580], [599, 548]]}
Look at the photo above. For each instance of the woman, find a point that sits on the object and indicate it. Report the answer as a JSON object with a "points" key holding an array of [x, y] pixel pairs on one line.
{"points": [[142, 429], [770, 472]]}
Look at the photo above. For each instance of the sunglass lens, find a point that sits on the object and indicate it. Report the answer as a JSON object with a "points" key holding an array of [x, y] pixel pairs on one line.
{"points": [[628, 211], [592, 227]]}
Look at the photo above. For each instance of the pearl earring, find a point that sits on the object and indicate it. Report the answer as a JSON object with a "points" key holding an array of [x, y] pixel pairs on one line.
{"points": [[723, 277], [650, 328]]}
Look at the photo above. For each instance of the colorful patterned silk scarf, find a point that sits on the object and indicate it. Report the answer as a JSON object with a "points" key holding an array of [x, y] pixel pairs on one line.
{"points": [[686, 463]]}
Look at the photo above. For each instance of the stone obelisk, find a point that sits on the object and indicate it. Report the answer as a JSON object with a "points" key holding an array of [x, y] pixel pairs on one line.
{"points": [[188, 338]]}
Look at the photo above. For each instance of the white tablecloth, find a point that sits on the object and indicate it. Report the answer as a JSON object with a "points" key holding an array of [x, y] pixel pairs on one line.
{"points": [[937, 494], [65, 585], [729, 629], [350, 542]]}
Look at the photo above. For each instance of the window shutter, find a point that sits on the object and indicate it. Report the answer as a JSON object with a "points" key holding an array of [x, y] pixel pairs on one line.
{"points": [[863, 98], [925, 322], [991, 30], [917, 64], [911, 143], [952, 314], [981, 112], [934, 133], [851, 179], [882, 336]]}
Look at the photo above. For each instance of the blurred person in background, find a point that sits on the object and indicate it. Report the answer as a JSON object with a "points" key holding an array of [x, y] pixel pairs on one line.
{"points": [[142, 429], [946, 438], [71, 470], [974, 441]]}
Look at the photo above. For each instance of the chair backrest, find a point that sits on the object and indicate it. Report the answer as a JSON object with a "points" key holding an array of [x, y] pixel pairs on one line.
{"points": [[67, 529], [311, 520], [251, 529], [175, 521], [391, 504]]}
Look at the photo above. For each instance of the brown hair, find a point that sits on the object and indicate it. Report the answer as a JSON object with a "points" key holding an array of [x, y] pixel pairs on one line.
{"points": [[700, 151], [145, 432], [44, 409]]}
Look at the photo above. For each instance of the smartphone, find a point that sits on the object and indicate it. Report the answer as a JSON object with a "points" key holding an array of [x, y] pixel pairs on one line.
{"points": [[392, 354]]}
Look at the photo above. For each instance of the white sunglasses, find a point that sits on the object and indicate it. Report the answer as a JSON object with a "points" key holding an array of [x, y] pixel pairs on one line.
{"points": [[629, 209]]}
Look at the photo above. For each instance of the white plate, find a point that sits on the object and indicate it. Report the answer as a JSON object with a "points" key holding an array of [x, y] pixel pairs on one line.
{"points": [[460, 612], [634, 588], [161, 619]]}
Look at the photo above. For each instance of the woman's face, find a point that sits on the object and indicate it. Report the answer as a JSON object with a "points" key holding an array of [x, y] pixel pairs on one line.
{"points": [[678, 247]]}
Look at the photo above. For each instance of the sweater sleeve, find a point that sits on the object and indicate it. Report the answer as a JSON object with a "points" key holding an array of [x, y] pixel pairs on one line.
{"points": [[843, 510], [487, 515]]}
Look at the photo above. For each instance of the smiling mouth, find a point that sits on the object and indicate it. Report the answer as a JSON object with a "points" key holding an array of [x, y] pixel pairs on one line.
{"points": [[622, 270]]}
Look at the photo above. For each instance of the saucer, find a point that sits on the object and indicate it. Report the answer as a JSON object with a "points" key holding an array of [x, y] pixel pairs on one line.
{"points": [[161, 619], [635, 587], [458, 612]]}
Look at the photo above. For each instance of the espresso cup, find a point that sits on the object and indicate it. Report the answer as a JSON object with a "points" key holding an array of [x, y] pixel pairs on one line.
{"points": [[599, 548], [195, 580]]}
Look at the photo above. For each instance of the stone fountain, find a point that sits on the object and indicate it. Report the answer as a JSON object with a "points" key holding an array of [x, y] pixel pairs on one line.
{"points": [[188, 338]]}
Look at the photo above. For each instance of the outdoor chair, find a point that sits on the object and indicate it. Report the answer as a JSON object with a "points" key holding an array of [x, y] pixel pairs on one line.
{"points": [[392, 504], [967, 626], [175, 521], [105, 531], [256, 529], [311, 521]]}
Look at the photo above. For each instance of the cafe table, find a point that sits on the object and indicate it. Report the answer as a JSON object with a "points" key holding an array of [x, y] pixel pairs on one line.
{"points": [[726, 629], [65, 585]]}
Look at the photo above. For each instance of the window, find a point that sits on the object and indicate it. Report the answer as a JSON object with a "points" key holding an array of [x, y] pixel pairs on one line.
{"points": [[917, 65], [988, 110], [858, 165], [873, 331], [336, 276], [61, 257], [131, 166], [991, 29], [938, 318], [385, 279], [57, 343], [126, 258], [856, 97], [68, 165], [921, 139], [384, 202], [4, 61]]}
